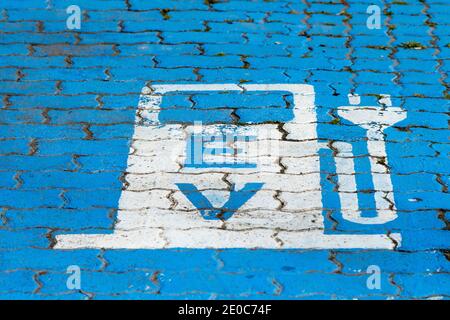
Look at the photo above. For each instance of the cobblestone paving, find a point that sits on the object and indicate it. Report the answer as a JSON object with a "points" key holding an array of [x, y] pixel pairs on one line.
{"points": [[69, 101]]}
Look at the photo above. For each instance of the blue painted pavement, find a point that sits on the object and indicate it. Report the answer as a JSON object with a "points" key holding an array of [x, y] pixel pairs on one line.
{"points": [[69, 99]]}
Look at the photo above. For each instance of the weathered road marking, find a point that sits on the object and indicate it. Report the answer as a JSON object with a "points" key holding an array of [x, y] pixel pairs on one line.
{"points": [[254, 216]]}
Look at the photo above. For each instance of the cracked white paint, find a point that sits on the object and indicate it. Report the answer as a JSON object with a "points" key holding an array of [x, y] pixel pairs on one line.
{"points": [[285, 213], [375, 120]]}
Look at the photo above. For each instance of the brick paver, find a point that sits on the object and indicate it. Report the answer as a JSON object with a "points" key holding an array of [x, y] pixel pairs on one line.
{"points": [[69, 101]]}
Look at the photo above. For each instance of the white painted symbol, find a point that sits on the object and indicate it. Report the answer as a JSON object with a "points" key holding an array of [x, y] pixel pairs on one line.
{"points": [[375, 119], [285, 211]]}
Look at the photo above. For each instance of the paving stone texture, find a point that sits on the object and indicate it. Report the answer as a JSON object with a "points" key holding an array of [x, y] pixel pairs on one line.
{"points": [[87, 177]]}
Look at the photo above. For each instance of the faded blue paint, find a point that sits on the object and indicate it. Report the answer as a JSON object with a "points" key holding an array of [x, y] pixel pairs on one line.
{"points": [[66, 125]]}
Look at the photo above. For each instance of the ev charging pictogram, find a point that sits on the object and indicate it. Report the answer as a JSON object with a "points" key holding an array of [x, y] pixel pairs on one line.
{"points": [[205, 186]]}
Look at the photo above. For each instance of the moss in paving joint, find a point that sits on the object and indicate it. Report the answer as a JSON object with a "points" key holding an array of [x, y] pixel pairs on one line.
{"points": [[378, 47], [210, 3], [336, 121], [165, 13], [412, 45], [377, 96]]}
